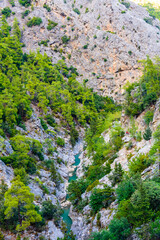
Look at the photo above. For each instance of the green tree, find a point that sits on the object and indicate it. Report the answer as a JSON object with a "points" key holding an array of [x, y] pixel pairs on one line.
{"points": [[125, 190], [101, 198], [148, 117], [155, 229], [140, 201], [119, 229], [19, 200], [147, 134], [76, 189], [117, 174], [16, 29]]}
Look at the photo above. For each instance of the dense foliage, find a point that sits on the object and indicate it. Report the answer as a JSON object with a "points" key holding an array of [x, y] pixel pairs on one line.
{"points": [[34, 74], [144, 93]]}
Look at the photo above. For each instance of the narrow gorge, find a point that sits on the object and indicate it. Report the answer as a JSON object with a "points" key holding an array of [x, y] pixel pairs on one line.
{"points": [[79, 120]]}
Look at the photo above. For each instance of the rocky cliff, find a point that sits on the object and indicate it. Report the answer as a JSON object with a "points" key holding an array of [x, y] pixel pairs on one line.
{"points": [[106, 38]]}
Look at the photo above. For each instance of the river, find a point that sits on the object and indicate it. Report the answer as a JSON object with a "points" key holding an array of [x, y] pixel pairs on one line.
{"points": [[65, 216]]}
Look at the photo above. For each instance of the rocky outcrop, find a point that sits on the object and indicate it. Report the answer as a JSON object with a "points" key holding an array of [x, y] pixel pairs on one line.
{"points": [[106, 39]]}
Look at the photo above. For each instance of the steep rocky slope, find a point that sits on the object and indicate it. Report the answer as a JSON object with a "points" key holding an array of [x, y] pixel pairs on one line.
{"points": [[106, 39], [84, 224]]}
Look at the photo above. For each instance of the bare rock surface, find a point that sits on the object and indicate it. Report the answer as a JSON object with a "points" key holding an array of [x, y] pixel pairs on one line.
{"points": [[106, 39]]}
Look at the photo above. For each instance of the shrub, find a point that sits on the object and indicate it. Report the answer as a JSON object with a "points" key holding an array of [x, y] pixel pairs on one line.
{"points": [[85, 46], [119, 229], [6, 11], [65, 39], [50, 120], [126, 4], [48, 209], [74, 136], [25, 3], [96, 172], [155, 229], [130, 53], [76, 189], [43, 123], [101, 198], [22, 174], [12, 3], [125, 190], [147, 134], [51, 25], [148, 117], [148, 20], [91, 186], [139, 163], [34, 21], [47, 7], [104, 235], [87, 10], [43, 42], [117, 174], [60, 142], [76, 10], [25, 13]]}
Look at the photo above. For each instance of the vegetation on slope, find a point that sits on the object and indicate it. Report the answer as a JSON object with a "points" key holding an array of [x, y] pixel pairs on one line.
{"points": [[32, 79]]}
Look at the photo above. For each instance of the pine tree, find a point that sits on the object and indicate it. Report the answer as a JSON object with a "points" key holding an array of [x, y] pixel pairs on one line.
{"points": [[16, 29], [147, 134], [19, 199]]}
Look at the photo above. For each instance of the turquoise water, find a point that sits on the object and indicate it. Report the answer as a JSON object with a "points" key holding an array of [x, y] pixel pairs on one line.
{"points": [[65, 216]]}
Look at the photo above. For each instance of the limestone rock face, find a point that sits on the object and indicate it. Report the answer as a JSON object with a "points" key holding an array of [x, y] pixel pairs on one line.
{"points": [[6, 173], [106, 39]]}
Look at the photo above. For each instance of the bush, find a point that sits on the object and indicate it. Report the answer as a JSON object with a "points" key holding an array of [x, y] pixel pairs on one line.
{"points": [[6, 11], [92, 185], [74, 136], [147, 134], [47, 7], [85, 46], [101, 198], [25, 3], [155, 229], [148, 117], [34, 21], [76, 10], [43, 123], [12, 3], [141, 95], [139, 163], [60, 142], [148, 20], [22, 174], [97, 172], [117, 174], [126, 4], [65, 39], [44, 42], [25, 13], [76, 189], [48, 210], [119, 229], [125, 190], [104, 235], [51, 25], [50, 120]]}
